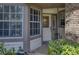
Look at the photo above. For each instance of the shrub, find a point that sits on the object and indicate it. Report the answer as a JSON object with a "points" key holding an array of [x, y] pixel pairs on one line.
{"points": [[63, 47], [4, 51]]}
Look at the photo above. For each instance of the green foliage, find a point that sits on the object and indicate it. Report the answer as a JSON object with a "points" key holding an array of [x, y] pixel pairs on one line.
{"points": [[4, 51], [63, 47]]}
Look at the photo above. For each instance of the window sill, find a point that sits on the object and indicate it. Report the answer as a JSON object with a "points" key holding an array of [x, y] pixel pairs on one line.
{"points": [[35, 37], [11, 37]]}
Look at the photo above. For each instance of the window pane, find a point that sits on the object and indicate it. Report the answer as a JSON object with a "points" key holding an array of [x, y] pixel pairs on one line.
{"points": [[30, 31], [18, 9], [31, 17], [1, 8], [33, 32], [34, 24], [18, 16], [31, 11], [12, 16], [38, 25], [6, 25], [12, 33], [6, 16], [1, 33], [18, 33], [1, 16], [12, 25], [18, 25], [6, 8], [1, 25], [36, 18], [6, 32], [36, 12], [45, 21], [31, 25], [38, 31], [12, 8]]}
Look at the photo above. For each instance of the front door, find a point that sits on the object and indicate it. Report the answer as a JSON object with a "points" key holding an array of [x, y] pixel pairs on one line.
{"points": [[47, 27]]}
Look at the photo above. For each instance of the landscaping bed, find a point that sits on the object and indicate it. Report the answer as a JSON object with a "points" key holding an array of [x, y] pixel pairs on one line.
{"points": [[63, 47]]}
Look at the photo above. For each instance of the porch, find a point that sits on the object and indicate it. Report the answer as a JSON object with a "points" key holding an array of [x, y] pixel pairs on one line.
{"points": [[53, 20]]}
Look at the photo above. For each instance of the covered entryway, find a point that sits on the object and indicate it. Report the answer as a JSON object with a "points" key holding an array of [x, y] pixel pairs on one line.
{"points": [[53, 21], [51, 26]]}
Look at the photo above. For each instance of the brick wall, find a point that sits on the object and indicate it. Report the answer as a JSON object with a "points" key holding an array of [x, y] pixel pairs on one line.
{"points": [[72, 21]]}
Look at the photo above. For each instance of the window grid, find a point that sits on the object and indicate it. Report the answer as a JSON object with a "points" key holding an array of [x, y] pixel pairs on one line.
{"points": [[9, 22], [62, 21], [34, 22]]}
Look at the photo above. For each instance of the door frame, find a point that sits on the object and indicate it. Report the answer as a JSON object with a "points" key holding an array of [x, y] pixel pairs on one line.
{"points": [[52, 29]]}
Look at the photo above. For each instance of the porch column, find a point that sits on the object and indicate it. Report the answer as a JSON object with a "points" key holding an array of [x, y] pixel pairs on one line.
{"points": [[72, 21], [57, 22]]}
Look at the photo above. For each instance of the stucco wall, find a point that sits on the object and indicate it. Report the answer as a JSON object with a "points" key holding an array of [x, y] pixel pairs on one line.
{"points": [[72, 21]]}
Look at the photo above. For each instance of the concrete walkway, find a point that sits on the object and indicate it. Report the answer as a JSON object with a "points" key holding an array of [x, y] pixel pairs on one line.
{"points": [[43, 50]]}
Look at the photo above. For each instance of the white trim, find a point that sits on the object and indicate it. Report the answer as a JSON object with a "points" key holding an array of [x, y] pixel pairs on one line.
{"points": [[11, 37], [36, 21], [34, 36]]}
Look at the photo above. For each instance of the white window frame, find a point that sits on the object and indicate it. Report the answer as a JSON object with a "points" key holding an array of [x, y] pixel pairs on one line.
{"points": [[8, 37], [36, 22]]}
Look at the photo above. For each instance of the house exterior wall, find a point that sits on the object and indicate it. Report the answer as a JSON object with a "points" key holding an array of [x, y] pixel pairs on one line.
{"points": [[72, 21], [27, 42], [15, 45], [16, 42]]}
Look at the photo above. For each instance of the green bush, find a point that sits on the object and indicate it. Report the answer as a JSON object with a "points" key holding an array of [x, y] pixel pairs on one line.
{"points": [[4, 51], [63, 47]]}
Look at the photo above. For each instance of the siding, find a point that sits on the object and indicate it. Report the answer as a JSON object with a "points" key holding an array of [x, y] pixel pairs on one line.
{"points": [[16, 45], [34, 44]]}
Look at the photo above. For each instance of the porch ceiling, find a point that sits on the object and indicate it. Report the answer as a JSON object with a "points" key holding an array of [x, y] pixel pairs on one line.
{"points": [[49, 5]]}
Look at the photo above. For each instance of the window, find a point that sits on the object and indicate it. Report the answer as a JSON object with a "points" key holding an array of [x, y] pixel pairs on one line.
{"points": [[45, 21], [34, 22], [11, 20], [62, 19]]}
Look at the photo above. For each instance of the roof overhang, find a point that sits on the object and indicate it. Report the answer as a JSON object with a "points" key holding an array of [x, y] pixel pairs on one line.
{"points": [[48, 5]]}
